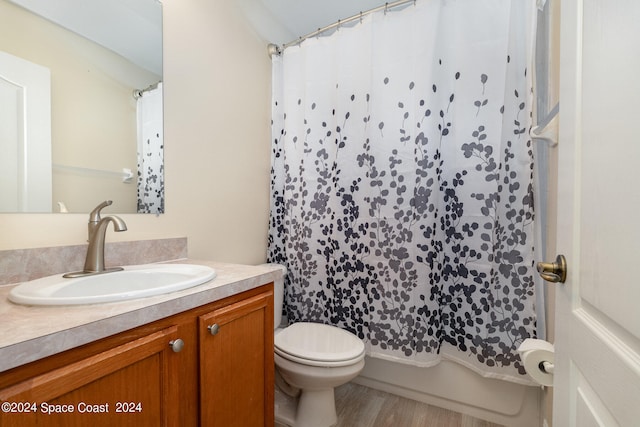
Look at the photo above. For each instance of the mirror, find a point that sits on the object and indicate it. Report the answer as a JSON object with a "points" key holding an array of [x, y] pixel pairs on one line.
{"points": [[103, 62]]}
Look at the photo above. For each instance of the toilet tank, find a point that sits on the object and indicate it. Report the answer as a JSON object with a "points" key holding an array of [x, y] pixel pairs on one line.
{"points": [[278, 296]]}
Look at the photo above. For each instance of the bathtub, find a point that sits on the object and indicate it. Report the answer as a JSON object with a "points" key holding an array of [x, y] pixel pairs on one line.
{"points": [[452, 386]]}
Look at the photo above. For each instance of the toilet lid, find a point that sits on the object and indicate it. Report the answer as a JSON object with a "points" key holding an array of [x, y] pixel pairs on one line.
{"points": [[316, 341]]}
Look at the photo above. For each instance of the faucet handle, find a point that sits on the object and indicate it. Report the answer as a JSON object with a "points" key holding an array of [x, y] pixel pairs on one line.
{"points": [[94, 216]]}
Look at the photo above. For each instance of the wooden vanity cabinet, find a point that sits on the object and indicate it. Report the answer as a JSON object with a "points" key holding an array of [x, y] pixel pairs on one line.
{"points": [[142, 377], [236, 360], [102, 390]]}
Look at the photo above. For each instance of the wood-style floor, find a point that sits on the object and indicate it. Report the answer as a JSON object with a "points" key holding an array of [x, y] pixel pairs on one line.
{"points": [[359, 406]]}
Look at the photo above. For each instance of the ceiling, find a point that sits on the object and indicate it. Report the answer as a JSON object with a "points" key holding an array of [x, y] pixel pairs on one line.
{"points": [[282, 21], [139, 32], [132, 28]]}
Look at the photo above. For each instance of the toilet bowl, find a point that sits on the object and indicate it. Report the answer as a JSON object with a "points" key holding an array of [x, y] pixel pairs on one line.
{"points": [[311, 359], [316, 358]]}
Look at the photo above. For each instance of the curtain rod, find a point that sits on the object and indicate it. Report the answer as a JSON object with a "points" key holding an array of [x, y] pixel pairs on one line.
{"points": [[137, 93], [274, 49]]}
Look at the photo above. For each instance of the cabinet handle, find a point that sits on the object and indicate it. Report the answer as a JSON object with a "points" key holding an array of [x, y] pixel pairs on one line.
{"points": [[213, 329], [176, 345]]}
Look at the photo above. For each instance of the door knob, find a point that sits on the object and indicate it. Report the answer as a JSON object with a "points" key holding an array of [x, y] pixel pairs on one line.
{"points": [[554, 272]]}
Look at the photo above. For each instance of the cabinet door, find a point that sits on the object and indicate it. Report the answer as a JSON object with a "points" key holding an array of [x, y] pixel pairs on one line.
{"points": [[236, 364], [134, 384]]}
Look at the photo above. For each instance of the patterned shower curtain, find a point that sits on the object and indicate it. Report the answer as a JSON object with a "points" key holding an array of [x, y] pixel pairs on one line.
{"points": [[401, 190]]}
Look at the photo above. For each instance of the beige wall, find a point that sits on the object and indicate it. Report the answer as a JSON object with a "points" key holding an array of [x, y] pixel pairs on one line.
{"points": [[217, 115]]}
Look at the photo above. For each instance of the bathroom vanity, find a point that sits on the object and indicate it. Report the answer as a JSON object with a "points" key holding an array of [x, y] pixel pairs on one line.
{"points": [[202, 356]]}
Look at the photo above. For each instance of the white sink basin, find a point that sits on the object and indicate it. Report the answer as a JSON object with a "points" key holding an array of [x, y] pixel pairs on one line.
{"points": [[133, 282]]}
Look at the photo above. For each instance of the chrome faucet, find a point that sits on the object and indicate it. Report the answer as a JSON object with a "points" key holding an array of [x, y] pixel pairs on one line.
{"points": [[97, 229]]}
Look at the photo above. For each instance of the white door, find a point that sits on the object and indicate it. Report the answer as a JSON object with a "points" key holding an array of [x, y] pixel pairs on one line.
{"points": [[597, 375], [25, 136]]}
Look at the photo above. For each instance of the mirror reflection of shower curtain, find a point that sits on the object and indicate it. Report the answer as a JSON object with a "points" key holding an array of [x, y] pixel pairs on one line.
{"points": [[150, 152]]}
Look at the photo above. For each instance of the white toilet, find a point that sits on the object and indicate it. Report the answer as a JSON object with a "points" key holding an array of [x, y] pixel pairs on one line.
{"points": [[311, 360]]}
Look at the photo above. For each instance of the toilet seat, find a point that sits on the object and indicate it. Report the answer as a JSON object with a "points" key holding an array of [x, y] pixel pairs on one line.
{"points": [[317, 344]]}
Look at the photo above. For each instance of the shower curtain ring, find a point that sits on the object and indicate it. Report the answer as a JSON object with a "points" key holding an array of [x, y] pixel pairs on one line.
{"points": [[361, 17], [386, 7]]}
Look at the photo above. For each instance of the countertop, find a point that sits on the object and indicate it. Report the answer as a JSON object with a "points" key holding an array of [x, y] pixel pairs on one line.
{"points": [[29, 333]]}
